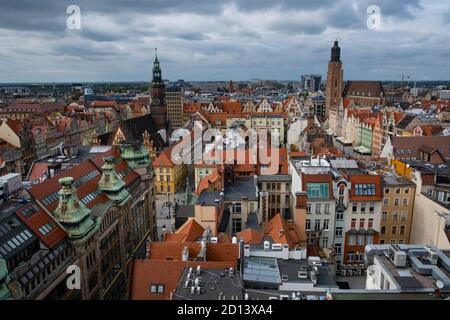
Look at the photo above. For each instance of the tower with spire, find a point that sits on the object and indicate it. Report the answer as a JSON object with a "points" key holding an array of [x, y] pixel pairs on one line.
{"points": [[335, 79], [158, 108]]}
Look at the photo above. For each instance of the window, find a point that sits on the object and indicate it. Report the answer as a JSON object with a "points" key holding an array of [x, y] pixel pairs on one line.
{"points": [[361, 223], [364, 189], [402, 230], [397, 190], [394, 215], [384, 216], [405, 201], [394, 230], [354, 207], [340, 216], [350, 256], [325, 243], [383, 230], [370, 224], [157, 288], [326, 224], [403, 215], [397, 201], [406, 190], [400, 241], [327, 208], [363, 207], [371, 207], [236, 207], [393, 241], [318, 208], [381, 241], [430, 192], [353, 224], [360, 240], [351, 240], [386, 201], [46, 228], [317, 225], [317, 190], [237, 224], [338, 232], [386, 191], [308, 208], [369, 240], [308, 224], [338, 248]]}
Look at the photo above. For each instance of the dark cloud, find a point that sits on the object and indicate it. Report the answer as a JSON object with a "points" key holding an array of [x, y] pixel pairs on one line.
{"points": [[446, 17], [212, 39]]}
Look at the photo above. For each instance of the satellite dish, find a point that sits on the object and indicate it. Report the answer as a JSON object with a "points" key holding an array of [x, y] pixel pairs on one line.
{"points": [[439, 284]]}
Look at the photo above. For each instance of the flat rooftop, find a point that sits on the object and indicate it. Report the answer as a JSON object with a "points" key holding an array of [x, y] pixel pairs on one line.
{"points": [[215, 284]]}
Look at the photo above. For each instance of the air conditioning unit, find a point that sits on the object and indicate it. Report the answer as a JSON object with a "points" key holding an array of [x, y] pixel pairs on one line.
{"points": [[399, 259], [214, 240], [432, 256]]}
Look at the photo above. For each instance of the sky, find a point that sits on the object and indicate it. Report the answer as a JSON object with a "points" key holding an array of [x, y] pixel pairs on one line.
{"points": [[222, 39]]}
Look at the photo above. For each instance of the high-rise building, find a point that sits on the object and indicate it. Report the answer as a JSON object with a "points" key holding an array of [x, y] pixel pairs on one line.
{"points": [[311, 82], [175, 101], [158, 108], [335, 78]]}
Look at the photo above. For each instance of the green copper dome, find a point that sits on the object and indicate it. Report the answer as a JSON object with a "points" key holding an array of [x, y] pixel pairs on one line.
{"points": [[110, 183], [73, 216], [4, 278]]}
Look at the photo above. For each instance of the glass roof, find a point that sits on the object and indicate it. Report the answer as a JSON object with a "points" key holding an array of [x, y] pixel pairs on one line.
{"points": [[261, 269]]}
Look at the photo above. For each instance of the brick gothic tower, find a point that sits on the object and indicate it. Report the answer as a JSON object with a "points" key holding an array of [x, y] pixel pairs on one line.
{"points": [[158, 107], [335, 79]]}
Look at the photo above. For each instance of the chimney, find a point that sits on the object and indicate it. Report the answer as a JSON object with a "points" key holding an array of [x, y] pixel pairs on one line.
{"points": [[185, 254]]}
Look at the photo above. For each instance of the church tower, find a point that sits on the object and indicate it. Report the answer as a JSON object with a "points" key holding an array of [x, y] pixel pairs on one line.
{"points": [[335, 79], [158, 107]]}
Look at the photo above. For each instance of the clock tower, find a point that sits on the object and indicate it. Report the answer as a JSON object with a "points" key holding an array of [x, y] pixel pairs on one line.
{"points": [[158, 107]]}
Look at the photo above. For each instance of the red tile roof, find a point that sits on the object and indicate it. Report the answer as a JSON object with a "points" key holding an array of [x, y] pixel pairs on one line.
{"points": [[250, 236], [204, 183], [37, 220], [282, 231], [214, 251], [190, 231], [164, 159]]}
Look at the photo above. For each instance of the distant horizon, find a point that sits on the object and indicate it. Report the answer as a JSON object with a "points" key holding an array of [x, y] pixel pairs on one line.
{"points": [[193, 81]]}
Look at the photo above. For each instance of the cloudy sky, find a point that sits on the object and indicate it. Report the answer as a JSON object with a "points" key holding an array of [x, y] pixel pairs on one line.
{"points": [[221, 39]]}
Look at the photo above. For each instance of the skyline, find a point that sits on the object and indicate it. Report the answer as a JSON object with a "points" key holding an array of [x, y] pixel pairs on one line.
{"points": [[274, 41]]}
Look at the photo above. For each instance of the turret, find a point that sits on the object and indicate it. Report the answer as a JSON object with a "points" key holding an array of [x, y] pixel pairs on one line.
{"points": [[111, 183], [72, 215]]}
